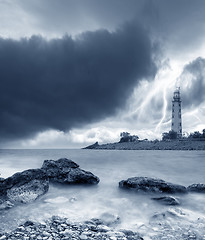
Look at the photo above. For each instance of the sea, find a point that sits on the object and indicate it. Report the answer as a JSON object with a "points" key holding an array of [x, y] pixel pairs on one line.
{"points": [[136, 211]]}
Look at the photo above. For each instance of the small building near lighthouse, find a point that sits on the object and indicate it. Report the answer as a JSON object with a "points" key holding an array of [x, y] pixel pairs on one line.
{"points": [[176, 113]]}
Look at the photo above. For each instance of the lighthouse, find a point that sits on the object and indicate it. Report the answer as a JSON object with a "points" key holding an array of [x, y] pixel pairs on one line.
{"points": [[176, 113]]}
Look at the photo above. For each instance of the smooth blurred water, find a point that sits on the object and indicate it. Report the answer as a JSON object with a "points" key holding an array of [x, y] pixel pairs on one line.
{"points": [[80, 203]]}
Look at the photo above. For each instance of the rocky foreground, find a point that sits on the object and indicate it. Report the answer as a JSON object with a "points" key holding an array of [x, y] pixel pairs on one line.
{"points": [[27, 186], [58, 228], [151, 145], [173, 224]]}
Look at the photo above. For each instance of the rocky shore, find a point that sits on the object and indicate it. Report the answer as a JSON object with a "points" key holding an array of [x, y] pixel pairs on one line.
{"points": [[168, 225], [57, 228], [151, 145], [172, 222]]}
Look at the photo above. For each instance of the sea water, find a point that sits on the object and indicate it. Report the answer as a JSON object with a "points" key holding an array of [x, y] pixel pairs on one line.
{"points": [[136, 211]]}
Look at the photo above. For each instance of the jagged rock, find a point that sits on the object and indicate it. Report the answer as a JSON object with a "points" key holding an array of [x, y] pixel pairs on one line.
{"points": [[66, 171], [166, 200], [199, 187], [147, 184], [60, 166], [24, 186], [1, 179]]}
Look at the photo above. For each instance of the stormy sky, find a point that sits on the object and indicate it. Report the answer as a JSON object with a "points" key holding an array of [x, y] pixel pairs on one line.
{"points": [[73, 72]]}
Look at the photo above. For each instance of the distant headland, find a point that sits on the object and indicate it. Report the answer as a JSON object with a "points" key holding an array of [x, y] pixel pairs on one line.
{"points": [[151, 145], [195, 141]]}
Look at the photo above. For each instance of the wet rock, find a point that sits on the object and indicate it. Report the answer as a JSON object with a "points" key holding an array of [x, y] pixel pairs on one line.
{"points": [[66, 171], [60, 166], [109, 219], [166, 200], [130, 235], [6, 205], [27, 192], [147, 184], [24, 186], [200, 188], [29, 223]]}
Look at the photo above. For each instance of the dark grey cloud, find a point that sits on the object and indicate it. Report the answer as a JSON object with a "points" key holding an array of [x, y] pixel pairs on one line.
{"points": [[77, 15], [64, 83], [192, 81], [179, 24]]}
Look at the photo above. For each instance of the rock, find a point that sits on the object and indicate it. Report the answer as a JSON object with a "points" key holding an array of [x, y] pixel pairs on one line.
{"points": [[83, 237], [147, 184], [200, 188], [60, 166], [130, 235], [29, 223], [66, 171], [3, 237], [28, 192], [166, 200], [24, 186], [1, 179], [109, 219], [6, 205]]}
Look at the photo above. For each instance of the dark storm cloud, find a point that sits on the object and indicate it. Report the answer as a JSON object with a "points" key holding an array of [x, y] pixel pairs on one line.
{"points": [[77, 15], [179, 24], [64, 83], [192, 81]]}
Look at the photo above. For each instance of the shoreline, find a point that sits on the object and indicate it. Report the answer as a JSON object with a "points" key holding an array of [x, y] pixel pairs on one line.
{"points": [[151, 145]]}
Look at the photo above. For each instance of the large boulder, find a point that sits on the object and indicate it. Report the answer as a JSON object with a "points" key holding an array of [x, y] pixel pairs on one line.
{"points": [[147, 184], [199, 187], [23, 187], [66, 171]]}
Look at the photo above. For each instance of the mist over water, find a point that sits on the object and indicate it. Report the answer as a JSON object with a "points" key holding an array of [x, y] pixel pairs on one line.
{"points": [[136, 211]]}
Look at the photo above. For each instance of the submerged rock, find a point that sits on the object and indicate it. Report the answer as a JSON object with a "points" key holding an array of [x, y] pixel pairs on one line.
{"points": [[66, 171], [24, 186], [147, 184], [166, 200], [199, 187]]}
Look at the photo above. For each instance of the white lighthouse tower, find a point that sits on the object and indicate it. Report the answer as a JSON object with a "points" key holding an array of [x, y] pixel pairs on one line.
{"points": [[176, 113]]}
